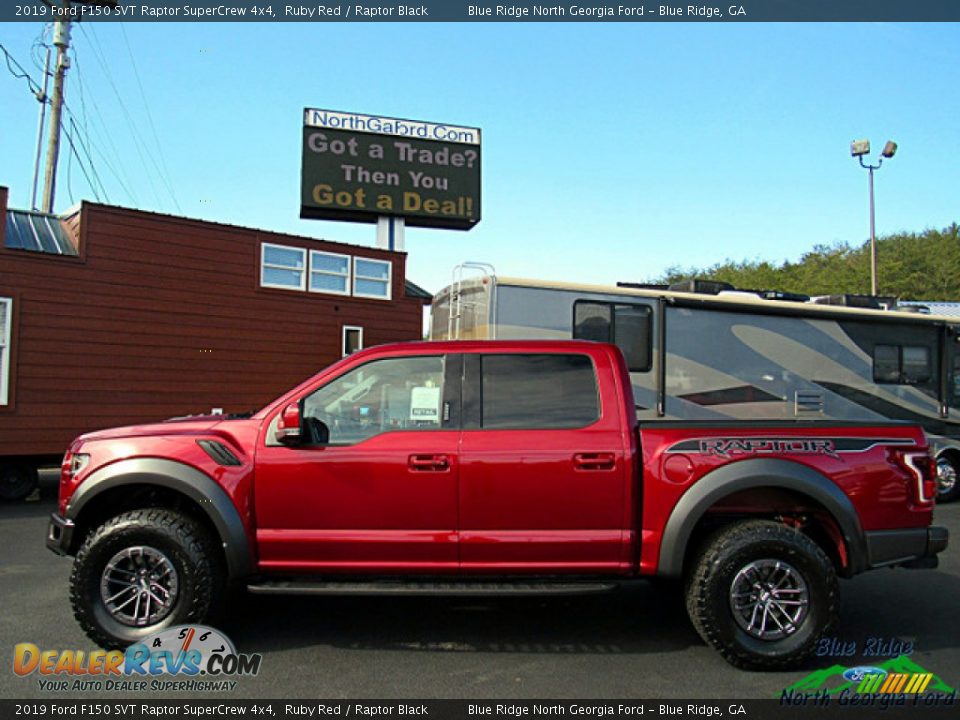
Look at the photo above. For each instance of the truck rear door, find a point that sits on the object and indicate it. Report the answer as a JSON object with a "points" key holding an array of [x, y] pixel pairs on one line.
{"points": [[542, 466]]}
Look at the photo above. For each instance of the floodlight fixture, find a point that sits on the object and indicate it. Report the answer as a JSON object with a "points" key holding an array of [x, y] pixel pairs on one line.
{"points": [[889, 150], [859, 148]]}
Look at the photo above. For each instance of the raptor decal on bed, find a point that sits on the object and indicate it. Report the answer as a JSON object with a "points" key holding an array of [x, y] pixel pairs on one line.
{"points": [[727, 447]]}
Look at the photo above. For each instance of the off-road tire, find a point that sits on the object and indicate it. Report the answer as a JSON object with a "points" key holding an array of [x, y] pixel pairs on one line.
{"points": [[180, 538], [17, 481], [946, 496], [708, 587]]}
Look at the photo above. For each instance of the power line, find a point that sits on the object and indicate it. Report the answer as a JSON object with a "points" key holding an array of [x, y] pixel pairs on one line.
{"points": [[16, 69], [98, 56], [93, 169], [83, 99], [140, 146], [83, 169], [153, 128], [99, 127], [89, 148]]}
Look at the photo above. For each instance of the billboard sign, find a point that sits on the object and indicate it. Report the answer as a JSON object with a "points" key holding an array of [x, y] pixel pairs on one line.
{"points": [[360, 167]]}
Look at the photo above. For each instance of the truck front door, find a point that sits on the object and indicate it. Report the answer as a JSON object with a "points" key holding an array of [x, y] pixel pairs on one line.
{"points": [[379, 495], [542, 466]]}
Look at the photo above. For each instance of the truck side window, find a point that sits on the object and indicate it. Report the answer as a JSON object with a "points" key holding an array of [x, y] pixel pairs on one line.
{"points": [[626, 326], [901, 364], [381, 396], [543, 392]]}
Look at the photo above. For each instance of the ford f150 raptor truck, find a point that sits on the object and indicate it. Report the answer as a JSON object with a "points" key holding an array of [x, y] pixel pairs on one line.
{"points": [[490, 467]]}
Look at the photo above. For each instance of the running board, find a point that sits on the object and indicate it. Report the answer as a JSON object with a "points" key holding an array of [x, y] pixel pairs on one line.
{"points": [[471, 589]]}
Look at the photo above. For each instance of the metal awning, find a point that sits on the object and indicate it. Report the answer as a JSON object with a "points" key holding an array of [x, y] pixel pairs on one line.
{"points": [[37, 232], [412, 290]]}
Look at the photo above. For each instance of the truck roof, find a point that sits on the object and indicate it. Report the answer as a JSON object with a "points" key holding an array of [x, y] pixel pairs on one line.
{"points": [[454, 346]]}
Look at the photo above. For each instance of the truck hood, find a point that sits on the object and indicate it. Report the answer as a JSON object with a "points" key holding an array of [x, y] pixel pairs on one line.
{"points": [[193, 425]]}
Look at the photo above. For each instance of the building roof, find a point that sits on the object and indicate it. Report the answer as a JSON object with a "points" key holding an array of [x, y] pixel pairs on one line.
{"points": [[413, 290], [38, 232]]}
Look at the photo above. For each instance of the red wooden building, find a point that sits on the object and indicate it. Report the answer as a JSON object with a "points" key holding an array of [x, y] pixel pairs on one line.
{"points": [[111, 316]]}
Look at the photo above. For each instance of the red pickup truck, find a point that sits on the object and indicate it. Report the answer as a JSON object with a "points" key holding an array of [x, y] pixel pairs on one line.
{"points": [[490, 467]]}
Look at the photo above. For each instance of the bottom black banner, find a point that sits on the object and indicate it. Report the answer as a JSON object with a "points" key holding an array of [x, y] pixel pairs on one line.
{"points": [[799, 706]]}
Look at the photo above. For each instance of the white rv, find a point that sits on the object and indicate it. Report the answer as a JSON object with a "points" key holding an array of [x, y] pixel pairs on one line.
{"points": [[736, 355]]}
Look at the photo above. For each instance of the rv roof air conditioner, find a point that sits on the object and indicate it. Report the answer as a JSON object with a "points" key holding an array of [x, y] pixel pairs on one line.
{"points": [[702, 287]]}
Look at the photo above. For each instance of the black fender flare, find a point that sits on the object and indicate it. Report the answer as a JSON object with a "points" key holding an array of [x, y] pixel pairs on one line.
{"points": [[758, 473], [203, 490]]}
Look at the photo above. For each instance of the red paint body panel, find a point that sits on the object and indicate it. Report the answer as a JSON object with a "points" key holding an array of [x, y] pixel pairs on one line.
{"points": [[881, 491], [328, 506], [502, 501]]}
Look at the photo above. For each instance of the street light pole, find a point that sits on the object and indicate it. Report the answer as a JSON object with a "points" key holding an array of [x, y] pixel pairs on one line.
{"points": [[859, 148], [873, 231]]}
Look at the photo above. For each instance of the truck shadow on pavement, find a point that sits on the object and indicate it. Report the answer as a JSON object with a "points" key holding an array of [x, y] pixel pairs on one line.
{"points": [[644, 619], [914, 606], [877, 610]]}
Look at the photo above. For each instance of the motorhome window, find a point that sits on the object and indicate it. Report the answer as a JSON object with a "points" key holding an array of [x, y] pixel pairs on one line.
{"points": [[901, 364], [916, 364], [631, 333], [544, 392], [591, 321], [627, 326]]}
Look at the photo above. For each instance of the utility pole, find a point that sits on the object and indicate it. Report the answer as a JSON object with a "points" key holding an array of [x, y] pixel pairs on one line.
{"points": [[42, 97], [61, 40]]}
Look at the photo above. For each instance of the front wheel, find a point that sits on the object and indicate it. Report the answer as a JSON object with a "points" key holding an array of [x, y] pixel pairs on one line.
{"points": [[141, 572], [762, 594]]}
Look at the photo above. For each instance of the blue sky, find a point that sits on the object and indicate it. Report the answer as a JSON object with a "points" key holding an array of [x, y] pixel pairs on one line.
{"points": [[610, 151]]}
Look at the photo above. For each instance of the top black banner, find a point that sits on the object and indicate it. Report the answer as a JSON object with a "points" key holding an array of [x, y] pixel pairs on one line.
{"points": [[481, 11]]}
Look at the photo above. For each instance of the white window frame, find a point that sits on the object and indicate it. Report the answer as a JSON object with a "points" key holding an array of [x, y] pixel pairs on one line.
{"points": [[343, 338], [346, 276], [357, 276], [264, 264], [7, 305]]}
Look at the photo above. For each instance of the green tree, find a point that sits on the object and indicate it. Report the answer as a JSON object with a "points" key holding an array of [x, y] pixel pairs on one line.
{"points": [[912, 266]]}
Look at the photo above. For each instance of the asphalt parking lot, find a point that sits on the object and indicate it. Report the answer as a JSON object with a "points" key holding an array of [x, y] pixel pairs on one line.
{"points": [[630, 644]]}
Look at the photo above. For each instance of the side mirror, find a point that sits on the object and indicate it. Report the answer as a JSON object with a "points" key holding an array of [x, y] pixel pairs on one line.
{"points": [[288, 428]]}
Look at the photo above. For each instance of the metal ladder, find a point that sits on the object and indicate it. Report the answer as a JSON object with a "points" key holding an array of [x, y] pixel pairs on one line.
{"points": [[456, 296]]}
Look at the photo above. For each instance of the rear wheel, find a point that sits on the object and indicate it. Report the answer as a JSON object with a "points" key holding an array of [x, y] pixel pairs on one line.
{"points": [[762, 594], [17, 481], [141, 572], [948, 479]]}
